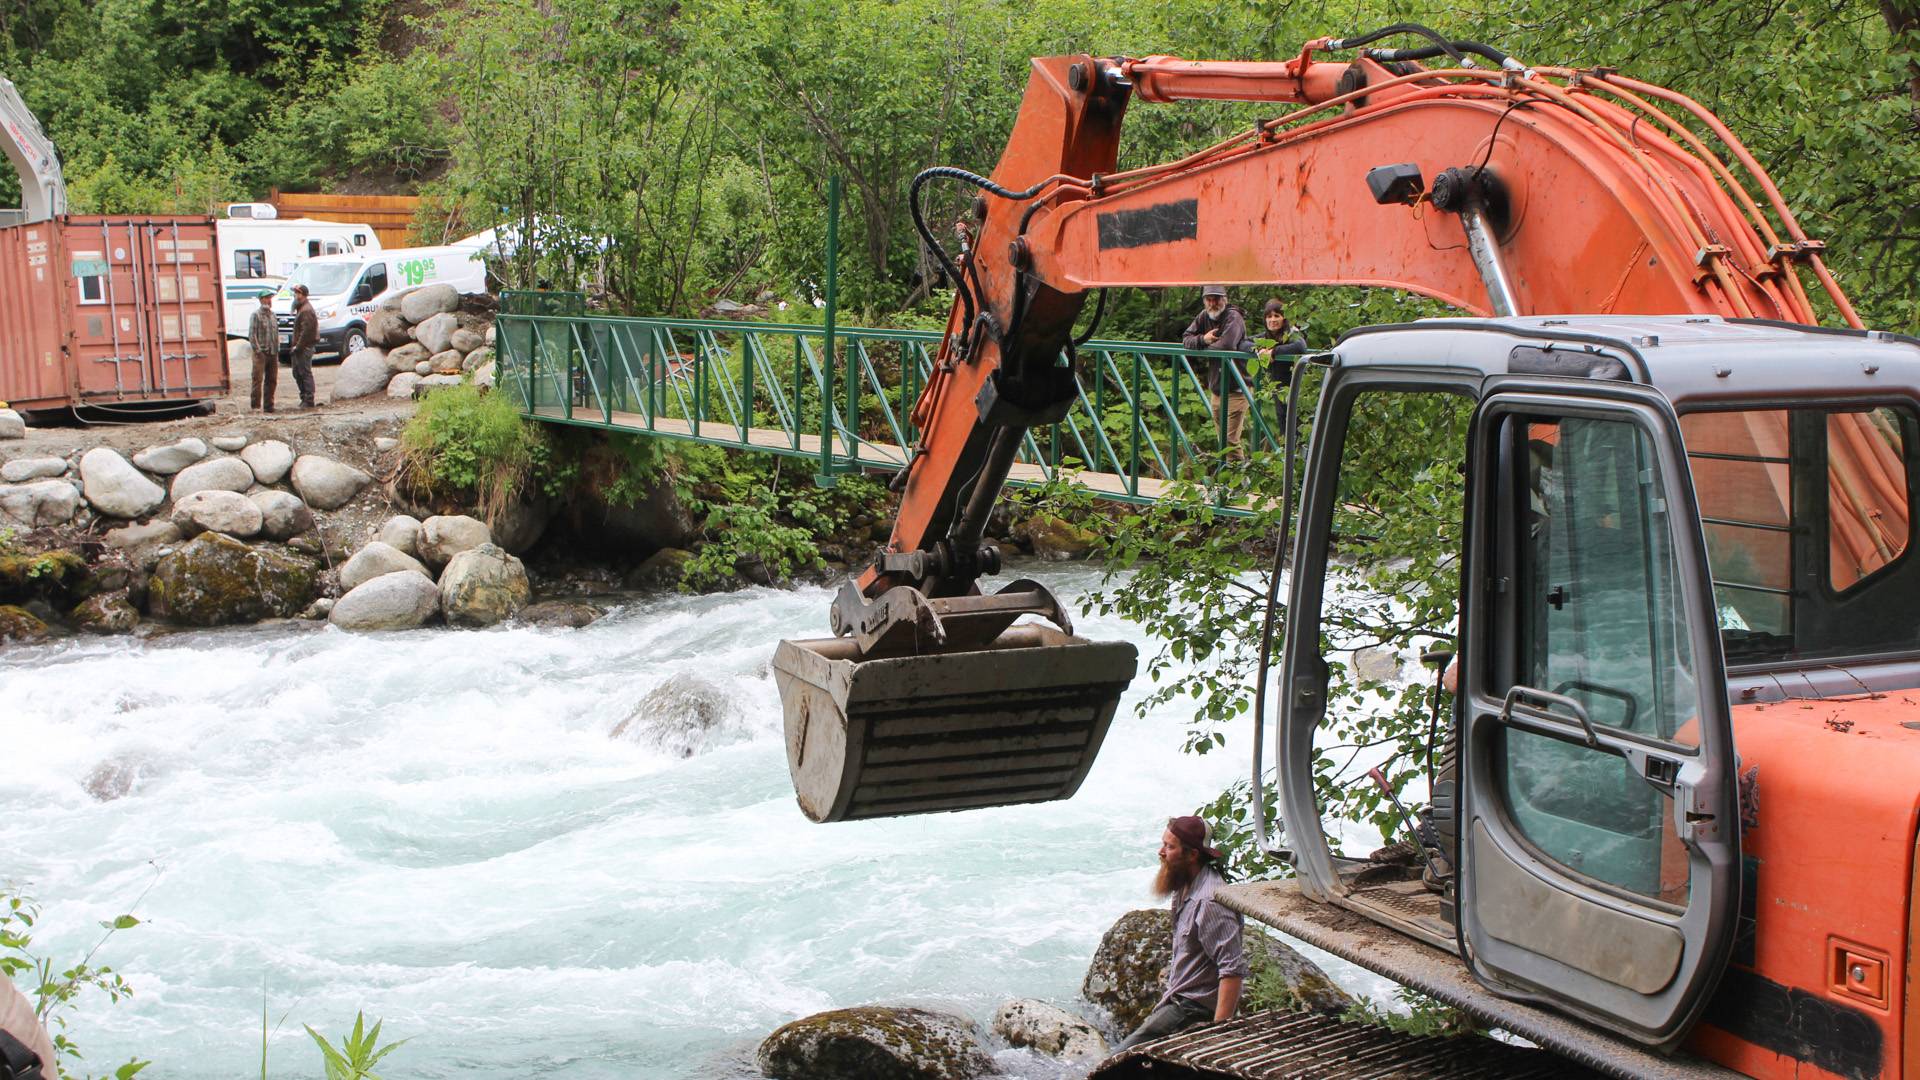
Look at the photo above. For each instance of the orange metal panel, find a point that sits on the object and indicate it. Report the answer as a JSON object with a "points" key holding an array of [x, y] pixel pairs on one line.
{"points": [[110, 310]]}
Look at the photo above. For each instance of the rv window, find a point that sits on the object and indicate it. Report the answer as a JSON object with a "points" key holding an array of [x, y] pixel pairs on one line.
{"points": [[334, 247], [250, 263], [313, 248], [359, 239]]}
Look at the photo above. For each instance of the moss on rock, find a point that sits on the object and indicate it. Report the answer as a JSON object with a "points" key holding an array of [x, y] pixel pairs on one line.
{"points": [[1054, 538], [875, 1042], [1129, 969], [215, 580], [19, 624]]}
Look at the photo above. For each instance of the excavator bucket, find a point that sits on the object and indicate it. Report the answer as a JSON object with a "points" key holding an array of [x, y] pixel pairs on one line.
{"points": [[954, 723]]}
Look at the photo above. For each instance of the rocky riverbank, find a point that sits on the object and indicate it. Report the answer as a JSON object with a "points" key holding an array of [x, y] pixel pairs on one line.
{"points": [[1122, 984]]}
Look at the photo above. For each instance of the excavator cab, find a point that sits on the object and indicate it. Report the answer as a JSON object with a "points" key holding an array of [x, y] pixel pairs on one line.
{"points": [[958, 708]]}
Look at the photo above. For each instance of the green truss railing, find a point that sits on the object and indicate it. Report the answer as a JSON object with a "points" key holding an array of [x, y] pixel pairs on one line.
{"points": [[1143, 412]]}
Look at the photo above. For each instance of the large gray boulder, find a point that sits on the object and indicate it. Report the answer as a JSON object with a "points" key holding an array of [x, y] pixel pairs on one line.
{"points": [[403, 385], [482, 586], [402, 532], [37, 504], [21, 470], [172, 457], [436, 382], [282, 515], [561, 615], [269, 459], [423, 303], [1050, 1029], [327, 484], [398, 601], [464, 341], [445, 535], [375, 560], [220, 474], [115, 488], [406, 357], [435, 334], [214, 580], [387, 327], [445, 363], [217, 511], [683, 716], [1129, 969], [362, 374], [12, 425], [106, 613], [875, 1042], [477, 359]]}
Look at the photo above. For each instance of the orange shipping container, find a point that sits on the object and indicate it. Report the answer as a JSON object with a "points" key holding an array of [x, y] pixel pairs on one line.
{"points": [[110, 311]]}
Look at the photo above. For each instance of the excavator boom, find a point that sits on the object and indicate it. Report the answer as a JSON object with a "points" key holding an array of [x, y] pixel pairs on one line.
{"points": [[1503, 192]]}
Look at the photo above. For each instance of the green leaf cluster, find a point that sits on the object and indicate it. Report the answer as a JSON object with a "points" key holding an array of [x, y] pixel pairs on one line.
{"points": [[359, 1050], [56, 989]]}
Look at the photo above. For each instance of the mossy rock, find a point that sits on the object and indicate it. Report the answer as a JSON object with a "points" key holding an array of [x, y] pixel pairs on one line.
{"points": [[1279, 977], [39, 573], [664, 569], [106, 613], [215, 580], [875, 1043], [1055, 539], [19, 624], [1129, 969]]}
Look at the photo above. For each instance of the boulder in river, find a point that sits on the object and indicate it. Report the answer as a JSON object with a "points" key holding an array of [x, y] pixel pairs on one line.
{"points": [[361, 374], [282, 515], [107, 613], [875, 1042], [445, 535], [217, 511], [214, 580], [567, 614], [19, 624], [375, 559], [482, 586], [1049, 1029], [1129, 969], [398, 601], [663, 570], [172, 457], [38, 503], [115, 488], [1054, 538], [220, 474], [21, 470], [327, 484], [269, 459], [685, 715]]}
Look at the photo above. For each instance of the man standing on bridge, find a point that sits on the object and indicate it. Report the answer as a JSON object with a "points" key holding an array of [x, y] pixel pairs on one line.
{"points": [[1209, 964], [1220, 327]]}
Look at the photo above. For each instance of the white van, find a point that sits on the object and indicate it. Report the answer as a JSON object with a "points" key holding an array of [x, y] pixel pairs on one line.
{"points": [[252, 247], [345, 289]]}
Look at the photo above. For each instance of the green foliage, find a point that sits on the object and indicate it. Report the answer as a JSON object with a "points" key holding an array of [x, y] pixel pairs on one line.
{"points": [[464, 441], [1417, 1014], [53, 988], [763, 511], [358, 1052]]}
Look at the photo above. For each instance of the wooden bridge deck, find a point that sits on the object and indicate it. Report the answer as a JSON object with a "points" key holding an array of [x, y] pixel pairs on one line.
{"points": [[873, 455]]}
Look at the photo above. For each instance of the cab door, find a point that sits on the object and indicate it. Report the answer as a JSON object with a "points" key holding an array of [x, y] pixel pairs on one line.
{"points": [[1598, 819]]}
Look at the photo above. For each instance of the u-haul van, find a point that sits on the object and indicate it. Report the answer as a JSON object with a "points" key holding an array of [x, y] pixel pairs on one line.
{"points": [[345, 289]]}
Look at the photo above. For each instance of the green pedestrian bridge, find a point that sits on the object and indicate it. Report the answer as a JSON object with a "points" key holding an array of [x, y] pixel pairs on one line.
{"points": [[842, 398]]}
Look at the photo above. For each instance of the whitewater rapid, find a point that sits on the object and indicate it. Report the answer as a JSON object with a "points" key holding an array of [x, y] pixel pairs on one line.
{"points": [[435, 827]]}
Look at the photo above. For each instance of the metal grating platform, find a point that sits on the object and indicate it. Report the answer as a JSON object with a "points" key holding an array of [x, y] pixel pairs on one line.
{"points": [[1310, 1046]]}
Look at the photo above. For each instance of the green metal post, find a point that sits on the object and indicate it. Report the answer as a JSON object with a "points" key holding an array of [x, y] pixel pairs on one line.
{"points": [[746, 388], [825, 476], [1133, 456]]}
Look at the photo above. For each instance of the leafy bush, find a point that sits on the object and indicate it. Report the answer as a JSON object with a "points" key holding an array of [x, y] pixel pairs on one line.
{"points": [[465, 442]]}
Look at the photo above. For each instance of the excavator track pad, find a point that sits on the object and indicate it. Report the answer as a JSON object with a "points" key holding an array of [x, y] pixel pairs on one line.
{"points": [[1281, 1045], [939, 719]]}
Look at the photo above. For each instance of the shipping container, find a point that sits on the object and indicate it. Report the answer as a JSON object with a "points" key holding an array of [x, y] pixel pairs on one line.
{"points": [[110, 311]]}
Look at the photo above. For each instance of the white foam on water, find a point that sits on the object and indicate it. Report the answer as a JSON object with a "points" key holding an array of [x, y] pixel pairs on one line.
{"points": [[434, 826]]}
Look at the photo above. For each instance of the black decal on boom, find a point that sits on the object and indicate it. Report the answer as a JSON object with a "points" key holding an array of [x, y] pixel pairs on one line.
{"points": [[1161, 224], [1790, 1021]]}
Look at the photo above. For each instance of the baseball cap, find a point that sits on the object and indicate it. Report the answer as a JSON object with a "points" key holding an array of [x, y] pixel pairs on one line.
{"points": [[1192, 831], [1213, 290]]}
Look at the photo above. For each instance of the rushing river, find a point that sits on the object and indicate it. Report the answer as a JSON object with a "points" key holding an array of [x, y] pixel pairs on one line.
{"points": [[436, 827]]}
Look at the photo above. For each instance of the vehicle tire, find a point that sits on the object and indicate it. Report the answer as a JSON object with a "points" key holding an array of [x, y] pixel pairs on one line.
{"points": [[355, 340]]}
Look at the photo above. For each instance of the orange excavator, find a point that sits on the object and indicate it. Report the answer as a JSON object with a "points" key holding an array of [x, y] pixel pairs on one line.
{"points": [[1673, 820]]}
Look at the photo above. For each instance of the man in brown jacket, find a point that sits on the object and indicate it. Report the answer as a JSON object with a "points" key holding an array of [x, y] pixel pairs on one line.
{"points": [[306, 334], [264, 336]]}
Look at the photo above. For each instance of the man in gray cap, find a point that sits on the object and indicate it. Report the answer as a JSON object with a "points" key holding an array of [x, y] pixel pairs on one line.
{"points": [[264, 336], [1220, 327], [1209, 964]]}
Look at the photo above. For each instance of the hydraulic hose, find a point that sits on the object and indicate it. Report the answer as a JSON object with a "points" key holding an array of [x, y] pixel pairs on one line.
{"points": [[1428, 52], [1439, 40], [948, 172]]}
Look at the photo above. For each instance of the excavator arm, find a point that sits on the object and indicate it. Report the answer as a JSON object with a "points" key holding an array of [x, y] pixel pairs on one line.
{"points": [[43, 187], [1506, 191]]}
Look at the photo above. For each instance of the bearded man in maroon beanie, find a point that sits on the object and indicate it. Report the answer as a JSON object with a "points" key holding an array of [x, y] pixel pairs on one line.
{"points": [[1209, 963]]}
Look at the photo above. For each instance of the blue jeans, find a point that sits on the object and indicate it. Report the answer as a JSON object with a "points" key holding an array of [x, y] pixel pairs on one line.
{"points": [[1169, 1019]]}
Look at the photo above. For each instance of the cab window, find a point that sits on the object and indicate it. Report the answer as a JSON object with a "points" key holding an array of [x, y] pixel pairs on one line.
{"points": [[373, 284]]}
